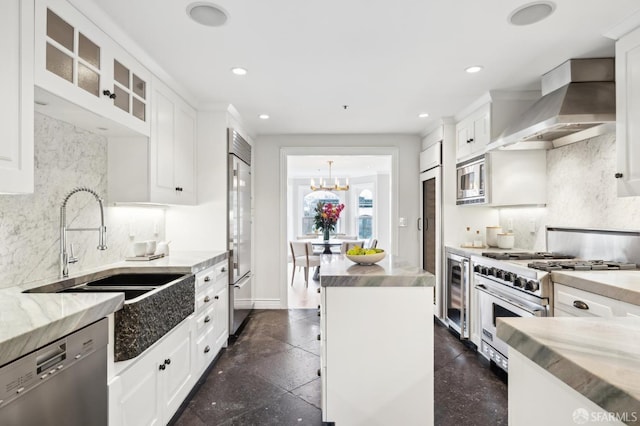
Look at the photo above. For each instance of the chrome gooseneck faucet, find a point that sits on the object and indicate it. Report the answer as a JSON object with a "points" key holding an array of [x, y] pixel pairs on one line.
{"points": [[66, 258]]}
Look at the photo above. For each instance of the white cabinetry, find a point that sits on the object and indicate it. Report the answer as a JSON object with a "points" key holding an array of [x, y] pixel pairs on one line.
{"points": [[516, 177], [80, 64], [364, 381], [473, 133], [162, 169], [484, 120], [152, 387], [628, 114], [573, 302], [173, 147], [211, 314], [16, 86]]}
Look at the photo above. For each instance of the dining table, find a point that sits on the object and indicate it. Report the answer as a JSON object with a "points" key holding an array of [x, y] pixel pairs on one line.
{"points": [[326, 244]]}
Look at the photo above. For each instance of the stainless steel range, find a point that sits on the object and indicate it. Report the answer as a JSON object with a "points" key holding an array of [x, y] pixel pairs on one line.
{"points": [[518, 284], [507, 287]]}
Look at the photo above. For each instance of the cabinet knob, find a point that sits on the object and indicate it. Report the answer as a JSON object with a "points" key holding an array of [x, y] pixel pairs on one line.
{"points": [[207, 279], [207, 349], [318, 290], [167, 361], [580, 305], [618, 175], [318, 337], [109, 94], [319, 373], [162, 367], [207, 299], [216, 297], [179, 189], [207, 318], [223, 269]]}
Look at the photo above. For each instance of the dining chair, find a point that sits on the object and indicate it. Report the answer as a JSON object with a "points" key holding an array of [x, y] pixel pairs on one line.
{"points": [[302, 256], [348, 245], [373, 244]]}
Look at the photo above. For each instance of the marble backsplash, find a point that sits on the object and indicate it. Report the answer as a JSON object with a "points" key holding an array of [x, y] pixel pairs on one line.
{"points": [[67, 157], [581, 192]]}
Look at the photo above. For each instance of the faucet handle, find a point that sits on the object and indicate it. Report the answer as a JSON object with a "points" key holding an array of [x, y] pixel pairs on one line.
{"points": [[71, 258]]}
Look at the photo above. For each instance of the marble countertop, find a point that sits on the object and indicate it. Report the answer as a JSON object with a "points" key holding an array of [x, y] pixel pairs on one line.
{"points": [[477, 251], [598, 357], [619, 285], [391, 271], [32, 320]]}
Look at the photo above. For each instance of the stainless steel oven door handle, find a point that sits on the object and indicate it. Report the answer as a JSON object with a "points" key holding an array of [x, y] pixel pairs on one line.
{"points": [[535, 310]]}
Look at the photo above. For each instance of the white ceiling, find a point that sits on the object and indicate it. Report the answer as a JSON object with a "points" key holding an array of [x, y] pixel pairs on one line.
{"points": [[388, 61], [344, 166]]}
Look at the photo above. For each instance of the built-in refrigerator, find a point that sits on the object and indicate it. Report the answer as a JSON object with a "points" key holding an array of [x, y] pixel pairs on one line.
{"points": [[239, 231]]}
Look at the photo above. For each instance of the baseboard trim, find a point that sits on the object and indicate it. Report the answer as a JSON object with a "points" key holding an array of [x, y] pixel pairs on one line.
{"points": [[267, 304]]}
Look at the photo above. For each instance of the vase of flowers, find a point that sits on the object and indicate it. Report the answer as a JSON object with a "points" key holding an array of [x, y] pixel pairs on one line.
{"points": [[326, 217]]}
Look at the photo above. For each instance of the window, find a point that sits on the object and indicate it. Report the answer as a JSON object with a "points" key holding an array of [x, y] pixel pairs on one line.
{"points": [[365, 214], [309, 205]]}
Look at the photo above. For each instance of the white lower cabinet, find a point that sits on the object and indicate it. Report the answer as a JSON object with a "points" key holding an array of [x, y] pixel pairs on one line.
{"points": [[573, 302], [152, 388], [212, 314], [365, 382]]}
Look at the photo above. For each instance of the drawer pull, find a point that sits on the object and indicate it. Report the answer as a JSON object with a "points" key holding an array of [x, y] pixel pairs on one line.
{"points": [[580, 305], [207, 279], [223, 269], [216, 297], [318, 337], [207, 319], [207, 349], [207, 299], [162, 367], [319, 373]]}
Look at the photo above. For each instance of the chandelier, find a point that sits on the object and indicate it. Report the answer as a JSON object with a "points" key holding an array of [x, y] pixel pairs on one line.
{"points": [[326, 185]]}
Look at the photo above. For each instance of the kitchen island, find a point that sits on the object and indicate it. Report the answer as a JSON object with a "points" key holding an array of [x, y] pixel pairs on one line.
{"points": [[376, 343], [581, 370]]}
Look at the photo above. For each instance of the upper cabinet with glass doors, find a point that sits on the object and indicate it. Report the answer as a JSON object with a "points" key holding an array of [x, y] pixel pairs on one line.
{"points": [[77, 62]]}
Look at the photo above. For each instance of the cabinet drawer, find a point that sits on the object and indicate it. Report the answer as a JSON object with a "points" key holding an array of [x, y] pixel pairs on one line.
{"points": [[576, 302], [204, 300], [205, 320], [205, 350], [205, 278]]}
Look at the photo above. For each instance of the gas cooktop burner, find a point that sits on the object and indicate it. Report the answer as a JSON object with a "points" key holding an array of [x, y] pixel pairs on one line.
{"points": [[525, 255], [581, 265]]}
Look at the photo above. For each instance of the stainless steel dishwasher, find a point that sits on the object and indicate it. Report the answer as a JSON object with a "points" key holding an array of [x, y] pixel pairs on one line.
{"points": [[62, 383]]}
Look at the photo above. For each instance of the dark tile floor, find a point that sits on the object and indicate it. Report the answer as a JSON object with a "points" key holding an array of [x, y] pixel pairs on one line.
{"points": [[268, 376]]}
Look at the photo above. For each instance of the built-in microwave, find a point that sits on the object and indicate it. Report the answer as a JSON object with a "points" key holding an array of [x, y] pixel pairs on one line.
{"points": [[471, 181]]}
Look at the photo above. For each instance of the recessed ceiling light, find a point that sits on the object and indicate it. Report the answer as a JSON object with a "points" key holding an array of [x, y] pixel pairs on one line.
{"points": [[239, 71], [531, 13], [474, 69], [263, 116], [207, 14], [423, 115]]}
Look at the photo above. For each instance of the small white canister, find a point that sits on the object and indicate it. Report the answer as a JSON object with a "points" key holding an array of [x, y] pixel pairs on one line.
{"points": [[492, 235], [506, 241]]}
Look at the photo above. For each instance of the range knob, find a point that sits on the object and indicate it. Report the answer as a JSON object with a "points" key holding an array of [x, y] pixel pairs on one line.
{"points": [[477, 268], [509, 276], [520, 282], [500, 274], [492, 272], [531, 286]]}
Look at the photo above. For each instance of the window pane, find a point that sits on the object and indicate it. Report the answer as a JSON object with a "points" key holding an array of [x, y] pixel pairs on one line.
{"points": [[139, 109], [59, 30], [122, 99], [121, 74], [139, 87], [88, 79], [88, 51], [59, 63]]}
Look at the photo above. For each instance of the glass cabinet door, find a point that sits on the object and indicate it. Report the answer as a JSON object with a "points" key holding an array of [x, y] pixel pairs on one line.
{"points": [[130, 91]]}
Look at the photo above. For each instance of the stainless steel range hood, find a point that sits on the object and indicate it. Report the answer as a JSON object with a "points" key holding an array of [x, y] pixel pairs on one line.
{"points": [[578, 102]]}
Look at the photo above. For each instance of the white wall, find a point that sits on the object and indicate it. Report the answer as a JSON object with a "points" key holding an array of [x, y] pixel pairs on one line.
{"points": [[270, 218]]}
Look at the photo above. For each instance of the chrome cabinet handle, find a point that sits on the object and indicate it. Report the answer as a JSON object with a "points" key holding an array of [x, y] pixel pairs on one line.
{"points": [[207, 349], [223, 269], [419, 224], [580, 305], [207, 299], [207, 279], [207, 318]]}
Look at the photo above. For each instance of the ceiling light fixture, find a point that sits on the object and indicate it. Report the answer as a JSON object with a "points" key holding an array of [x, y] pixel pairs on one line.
{"points": [[263, 116], [531, 13], [474, 69], [239, 71], [207, 14], [423, 115], [323, 186]]}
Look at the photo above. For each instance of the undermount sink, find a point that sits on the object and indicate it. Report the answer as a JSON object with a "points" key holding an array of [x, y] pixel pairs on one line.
{"points": [[129, 293]]}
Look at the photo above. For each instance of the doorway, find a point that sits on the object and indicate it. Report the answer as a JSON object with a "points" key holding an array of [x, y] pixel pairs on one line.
{"points": [[368, 201]]}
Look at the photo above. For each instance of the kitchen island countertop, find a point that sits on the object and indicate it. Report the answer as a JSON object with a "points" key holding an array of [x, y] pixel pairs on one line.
{"points": [[32, 320], [392, 271], [597, 357]]}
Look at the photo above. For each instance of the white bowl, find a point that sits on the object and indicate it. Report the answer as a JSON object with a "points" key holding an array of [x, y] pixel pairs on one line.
{"points": [[366, 259]]}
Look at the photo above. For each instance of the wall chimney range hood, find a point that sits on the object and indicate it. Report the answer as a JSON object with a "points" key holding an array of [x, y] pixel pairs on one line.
{"points": [[578, 102]]}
